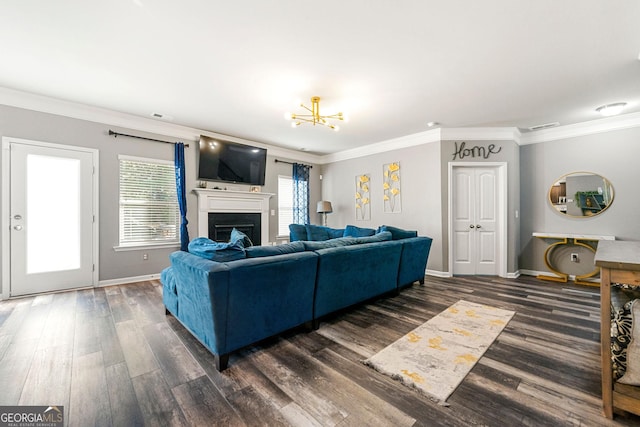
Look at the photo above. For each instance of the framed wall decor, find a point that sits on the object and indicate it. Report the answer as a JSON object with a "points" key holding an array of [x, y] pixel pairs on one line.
{"points": [[391, 197], [363, 197]]}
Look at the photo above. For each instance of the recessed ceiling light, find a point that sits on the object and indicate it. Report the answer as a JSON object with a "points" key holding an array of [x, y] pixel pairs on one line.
{"points": [[611, 109], [432, 124]]}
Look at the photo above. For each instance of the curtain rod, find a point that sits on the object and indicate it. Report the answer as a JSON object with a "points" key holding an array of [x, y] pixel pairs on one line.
{"points": [[289, 163], [116, 134]]}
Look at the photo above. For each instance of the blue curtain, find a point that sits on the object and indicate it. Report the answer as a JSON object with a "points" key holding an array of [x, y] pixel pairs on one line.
{"points": [[182, 197], [300, 193]]}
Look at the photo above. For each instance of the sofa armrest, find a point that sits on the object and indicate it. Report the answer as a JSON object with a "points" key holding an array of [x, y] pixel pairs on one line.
{"points": [[413, 261]]}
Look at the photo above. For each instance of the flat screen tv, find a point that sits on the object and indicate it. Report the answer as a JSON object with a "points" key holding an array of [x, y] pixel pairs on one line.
{"points": [[227, 161]]}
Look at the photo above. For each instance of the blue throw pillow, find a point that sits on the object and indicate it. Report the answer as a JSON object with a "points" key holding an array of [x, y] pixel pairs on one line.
{"points": [[317, 232], [353, 231], [239, 235], [398, 233], [297, 232], [220, 252], [262, 251]]}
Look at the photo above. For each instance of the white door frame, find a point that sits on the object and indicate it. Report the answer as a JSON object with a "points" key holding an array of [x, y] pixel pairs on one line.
{"points": [[5, 205], [501, 173]]}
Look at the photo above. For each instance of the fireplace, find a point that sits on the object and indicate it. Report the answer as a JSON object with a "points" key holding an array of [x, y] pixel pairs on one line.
{"points": [[221, 224], [238, 207]]}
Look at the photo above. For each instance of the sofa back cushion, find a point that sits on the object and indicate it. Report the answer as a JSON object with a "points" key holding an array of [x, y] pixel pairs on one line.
{"points": [[331, 243], [379, 237], [353, 231], [215, 251], [297, 232], [261, 251], [319, 233], [398, 233]]}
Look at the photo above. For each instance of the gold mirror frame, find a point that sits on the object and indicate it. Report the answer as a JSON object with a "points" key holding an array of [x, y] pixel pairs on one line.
{"points": [[581, 195]]}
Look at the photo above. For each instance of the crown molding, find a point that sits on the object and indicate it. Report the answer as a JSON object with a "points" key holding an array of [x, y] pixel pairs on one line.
{"points": [[384, 146], [44, 104], [482, 134], [607, 124]]}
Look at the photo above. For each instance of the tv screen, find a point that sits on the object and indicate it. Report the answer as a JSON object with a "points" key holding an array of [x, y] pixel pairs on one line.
{"points": [[228, 161]]}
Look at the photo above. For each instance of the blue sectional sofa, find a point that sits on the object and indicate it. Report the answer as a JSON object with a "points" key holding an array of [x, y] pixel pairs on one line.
{"points": [[230, 296]]}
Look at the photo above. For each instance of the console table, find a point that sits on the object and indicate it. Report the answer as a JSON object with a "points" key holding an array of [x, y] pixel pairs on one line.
{"points": [[620, 263], [585, 240]]}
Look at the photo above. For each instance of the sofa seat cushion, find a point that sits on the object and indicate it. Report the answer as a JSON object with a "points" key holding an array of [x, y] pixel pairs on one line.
{"points": [[398, 233], [353, 231], [215, 251], [287, 248]]}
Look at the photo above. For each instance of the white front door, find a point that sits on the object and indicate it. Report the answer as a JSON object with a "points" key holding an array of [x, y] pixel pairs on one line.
{"points": [[51, 217], [475, 220]]}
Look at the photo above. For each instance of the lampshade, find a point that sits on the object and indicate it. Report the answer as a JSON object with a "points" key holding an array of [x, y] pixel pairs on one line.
{"points": [[324, 207]]}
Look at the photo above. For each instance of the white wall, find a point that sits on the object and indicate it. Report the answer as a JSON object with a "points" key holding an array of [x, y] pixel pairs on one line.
{"points": [[613, 154], [421, 184]]}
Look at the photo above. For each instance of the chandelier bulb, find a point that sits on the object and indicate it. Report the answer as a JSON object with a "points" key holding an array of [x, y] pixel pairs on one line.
{"points": [[335, 128], [288, 116]]}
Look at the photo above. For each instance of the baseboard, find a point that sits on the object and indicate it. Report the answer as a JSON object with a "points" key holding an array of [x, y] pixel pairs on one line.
{"points": [[437, 273], [572, 277], [514, 275], [126, 280]]}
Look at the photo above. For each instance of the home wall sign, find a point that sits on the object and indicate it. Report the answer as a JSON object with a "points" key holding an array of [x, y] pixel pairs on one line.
{"points": [[476, 151]]}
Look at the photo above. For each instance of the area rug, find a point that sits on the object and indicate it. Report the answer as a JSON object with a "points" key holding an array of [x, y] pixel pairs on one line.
{"points": [[435, 357]]}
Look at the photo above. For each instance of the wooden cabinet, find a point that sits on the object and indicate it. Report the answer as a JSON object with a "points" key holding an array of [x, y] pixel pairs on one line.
{"points": [[619, 262]]}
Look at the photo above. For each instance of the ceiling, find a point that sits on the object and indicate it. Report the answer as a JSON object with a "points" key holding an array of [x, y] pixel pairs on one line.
{"points": [[235, 67]]}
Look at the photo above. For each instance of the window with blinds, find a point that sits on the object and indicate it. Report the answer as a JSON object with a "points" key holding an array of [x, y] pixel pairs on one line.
{"points": [[285, 204], [149, 211]]}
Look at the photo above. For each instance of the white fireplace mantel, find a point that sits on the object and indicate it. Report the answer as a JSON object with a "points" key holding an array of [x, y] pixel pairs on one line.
{"points": [[232, 202]]}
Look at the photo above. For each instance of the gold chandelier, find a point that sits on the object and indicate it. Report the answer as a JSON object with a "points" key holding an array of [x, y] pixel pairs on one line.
{"points": [[315, 117]]}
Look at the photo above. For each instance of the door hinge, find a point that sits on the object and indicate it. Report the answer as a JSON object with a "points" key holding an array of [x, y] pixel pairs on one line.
{"points": [[93, 267]]}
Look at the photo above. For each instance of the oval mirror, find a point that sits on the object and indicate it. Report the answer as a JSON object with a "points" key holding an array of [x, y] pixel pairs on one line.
{"points": [[581, 194]]}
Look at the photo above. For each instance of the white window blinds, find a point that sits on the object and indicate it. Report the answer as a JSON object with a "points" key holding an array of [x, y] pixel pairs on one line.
{"points": [[149, 211], [285, 204]]}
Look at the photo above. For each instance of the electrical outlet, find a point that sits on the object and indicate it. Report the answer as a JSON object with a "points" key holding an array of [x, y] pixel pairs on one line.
{"points": [[574, 257], [145, 257]]}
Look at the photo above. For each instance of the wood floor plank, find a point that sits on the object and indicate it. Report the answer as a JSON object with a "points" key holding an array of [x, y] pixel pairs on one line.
{"points": [[49, 379], [139, 357], [125, 410], [202, 404], [177, 364], [158, 405], [89, 400], [14, 368]]}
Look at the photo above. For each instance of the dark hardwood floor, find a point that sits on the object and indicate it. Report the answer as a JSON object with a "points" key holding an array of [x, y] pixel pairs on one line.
{"points": [[112, 357]]}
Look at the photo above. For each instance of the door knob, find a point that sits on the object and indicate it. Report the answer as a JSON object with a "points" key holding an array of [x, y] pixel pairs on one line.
{"points": [[472, 226], [17, 227], [478, 226]]}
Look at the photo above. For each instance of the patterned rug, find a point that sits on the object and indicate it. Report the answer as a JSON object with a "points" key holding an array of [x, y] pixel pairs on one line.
{"points": [[436, 356]]}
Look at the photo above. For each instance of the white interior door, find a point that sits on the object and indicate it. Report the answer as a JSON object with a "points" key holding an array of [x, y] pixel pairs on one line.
{"points": [[51, 208], [475, 220]]}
